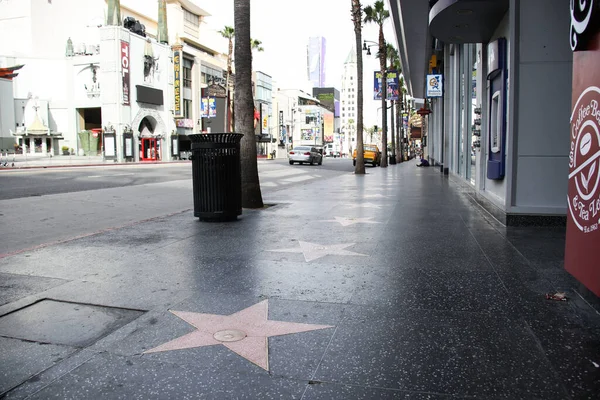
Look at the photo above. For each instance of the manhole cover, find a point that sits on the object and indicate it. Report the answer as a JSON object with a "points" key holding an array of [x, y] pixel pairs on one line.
{"points": [[71, 324], [229, 335]]}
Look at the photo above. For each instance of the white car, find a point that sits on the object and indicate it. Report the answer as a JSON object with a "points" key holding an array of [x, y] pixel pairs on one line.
{"points": [[305, 154]]}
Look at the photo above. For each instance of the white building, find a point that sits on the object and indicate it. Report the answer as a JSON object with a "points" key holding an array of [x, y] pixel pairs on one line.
{"points": [[348, 109], [302, 117], [107, 89]]}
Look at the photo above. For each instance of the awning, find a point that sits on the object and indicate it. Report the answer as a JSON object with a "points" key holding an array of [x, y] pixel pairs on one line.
{"points": [[410, 19], [466, 21]]}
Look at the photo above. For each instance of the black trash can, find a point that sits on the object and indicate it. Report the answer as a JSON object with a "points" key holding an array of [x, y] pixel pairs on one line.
{"points": [[216, 176]]}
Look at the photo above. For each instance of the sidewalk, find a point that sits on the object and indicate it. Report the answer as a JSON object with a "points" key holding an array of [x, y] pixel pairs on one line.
{"points": [[385, 286], [21, 161]]}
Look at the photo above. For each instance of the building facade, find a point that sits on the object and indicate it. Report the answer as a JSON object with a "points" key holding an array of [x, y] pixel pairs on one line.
{"points": [[348, 110], [108, 81], [499, 89]]}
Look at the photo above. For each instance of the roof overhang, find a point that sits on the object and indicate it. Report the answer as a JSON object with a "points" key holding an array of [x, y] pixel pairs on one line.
{"points": [[191, 6], [466, 21], [410, 22]]}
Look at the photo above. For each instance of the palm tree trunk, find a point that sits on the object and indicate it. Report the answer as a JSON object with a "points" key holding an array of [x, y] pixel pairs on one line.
{"points": [[393, 156], [244, 106], [382, 58], [356, 10], [398, 127]]}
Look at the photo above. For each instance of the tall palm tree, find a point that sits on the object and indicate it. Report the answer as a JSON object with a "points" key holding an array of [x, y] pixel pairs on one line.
{"points": [[377, 14], [244, 106], [356, 12], [392, 58], [228, 33], [254, 45]]}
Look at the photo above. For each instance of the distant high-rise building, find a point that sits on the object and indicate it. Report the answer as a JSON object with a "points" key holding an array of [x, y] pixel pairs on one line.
{"points": [[316, 61], [349, 112]]}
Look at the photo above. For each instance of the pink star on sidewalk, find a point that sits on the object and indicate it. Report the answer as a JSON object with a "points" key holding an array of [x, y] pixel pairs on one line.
{"points": [[245, 332]]}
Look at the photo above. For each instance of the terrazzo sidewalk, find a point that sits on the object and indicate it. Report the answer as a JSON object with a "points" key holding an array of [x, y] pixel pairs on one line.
{"points": [[391, 285]]}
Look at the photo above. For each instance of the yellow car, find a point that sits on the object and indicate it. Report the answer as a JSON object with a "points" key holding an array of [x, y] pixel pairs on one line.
{"points": [[371, 154]]}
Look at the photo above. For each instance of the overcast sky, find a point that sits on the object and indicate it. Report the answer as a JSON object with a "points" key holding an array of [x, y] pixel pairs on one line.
{"points": [[284, 27]]}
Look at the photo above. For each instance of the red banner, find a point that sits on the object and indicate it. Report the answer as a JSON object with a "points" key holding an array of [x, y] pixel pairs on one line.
{"points": [[583, 219], [125, 71]]}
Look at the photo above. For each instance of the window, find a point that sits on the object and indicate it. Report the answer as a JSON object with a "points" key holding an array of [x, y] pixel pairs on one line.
{"points": [[187, 77], [190, 17], [187, 108], [187, 72]]}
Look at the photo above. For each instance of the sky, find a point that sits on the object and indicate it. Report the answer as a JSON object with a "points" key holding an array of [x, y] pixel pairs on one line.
{"points": [[284, 27]]}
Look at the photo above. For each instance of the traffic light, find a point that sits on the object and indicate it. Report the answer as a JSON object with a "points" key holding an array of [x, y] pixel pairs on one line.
{"points": [[375, 128]]}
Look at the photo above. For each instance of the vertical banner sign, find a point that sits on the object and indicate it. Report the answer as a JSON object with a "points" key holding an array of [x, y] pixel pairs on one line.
{"points": [[125, 72], [393, 90], [264, 117], [281, 131], [582, 259], [212, 107], [177, 111], [204, 107]]}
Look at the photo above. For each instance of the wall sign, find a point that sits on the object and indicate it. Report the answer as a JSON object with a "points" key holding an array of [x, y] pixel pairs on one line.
{"points": [[584, 18], [125, 72], [177, 110], [583, 216], [434, 86]]}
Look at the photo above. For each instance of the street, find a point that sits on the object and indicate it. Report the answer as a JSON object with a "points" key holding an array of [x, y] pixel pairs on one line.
{"points": [[49, 205]]}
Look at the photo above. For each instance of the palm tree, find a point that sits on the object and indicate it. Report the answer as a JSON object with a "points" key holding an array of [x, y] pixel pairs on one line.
{"points": [[228, 33], [356, 12], [256, 45], [392, 58], [399, 122], [378, 14], [244, 106]]}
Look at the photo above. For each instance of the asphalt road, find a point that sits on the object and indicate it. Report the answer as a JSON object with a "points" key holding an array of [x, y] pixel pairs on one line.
{"points": [[39, 207], [15, 184]]}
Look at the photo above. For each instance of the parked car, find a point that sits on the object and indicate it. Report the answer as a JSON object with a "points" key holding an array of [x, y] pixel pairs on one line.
{"points": [[371, 154], [305, 154]]}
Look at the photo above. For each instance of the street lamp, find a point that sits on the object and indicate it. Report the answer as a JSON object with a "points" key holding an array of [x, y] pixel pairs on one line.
{"points": [[368, 48]]}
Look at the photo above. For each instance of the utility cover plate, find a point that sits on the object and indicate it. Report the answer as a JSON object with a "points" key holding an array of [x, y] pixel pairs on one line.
{"points": [[70, 324]]}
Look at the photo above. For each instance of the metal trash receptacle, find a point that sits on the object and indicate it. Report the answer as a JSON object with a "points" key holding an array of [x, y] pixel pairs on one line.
{"points": [[216, 176]]}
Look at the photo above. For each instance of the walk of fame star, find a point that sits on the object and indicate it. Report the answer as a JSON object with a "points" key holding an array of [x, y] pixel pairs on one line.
{"points": [[312, 251], [351, 221], [245, 332], [371, 196], [363, 205]]}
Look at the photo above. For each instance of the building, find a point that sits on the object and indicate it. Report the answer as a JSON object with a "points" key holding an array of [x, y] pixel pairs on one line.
{"points": [[316, 61], [111, 79], [329, 98], [512, 87], [499, 88], [348, 111], [301, 117], [266, 136]]}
